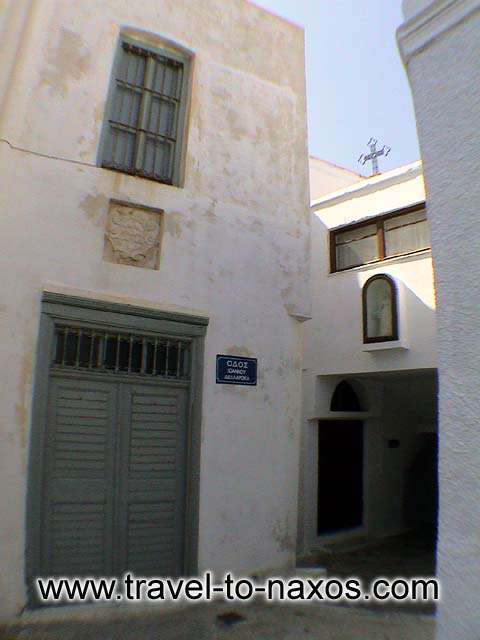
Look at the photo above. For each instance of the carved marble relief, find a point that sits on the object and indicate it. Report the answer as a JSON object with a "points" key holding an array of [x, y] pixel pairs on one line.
{"points": [[132, 235]]}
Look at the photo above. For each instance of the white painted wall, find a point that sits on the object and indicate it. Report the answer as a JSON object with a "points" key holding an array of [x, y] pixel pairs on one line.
{"points": [[235, 246], [409, 408], [334, 349], [326, 177], [442, 64], [334, 336]]}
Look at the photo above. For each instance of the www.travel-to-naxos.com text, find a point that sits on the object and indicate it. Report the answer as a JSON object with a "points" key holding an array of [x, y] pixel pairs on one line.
{"points": [[131, 588]]}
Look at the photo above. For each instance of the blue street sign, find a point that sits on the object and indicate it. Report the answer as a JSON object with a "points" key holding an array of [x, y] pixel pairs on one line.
{"points": [[236, 370]]}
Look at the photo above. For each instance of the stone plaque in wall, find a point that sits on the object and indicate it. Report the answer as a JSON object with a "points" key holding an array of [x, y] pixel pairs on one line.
{"points": [[132, 235]]}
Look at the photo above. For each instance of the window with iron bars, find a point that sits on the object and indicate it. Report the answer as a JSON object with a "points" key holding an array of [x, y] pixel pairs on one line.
{"points": [[146, 114], [85, 349]]}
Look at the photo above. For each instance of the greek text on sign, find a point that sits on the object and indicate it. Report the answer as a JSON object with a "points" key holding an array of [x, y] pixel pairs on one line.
{"points": [[236, 370]]}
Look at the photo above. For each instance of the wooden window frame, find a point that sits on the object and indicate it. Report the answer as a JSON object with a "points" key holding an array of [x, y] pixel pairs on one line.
{"points": [[393, 310], [179, 151], [379, 221]]}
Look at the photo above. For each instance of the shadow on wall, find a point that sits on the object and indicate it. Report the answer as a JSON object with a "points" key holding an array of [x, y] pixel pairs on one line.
{"points": [[421, 490], [398, 412], [336, 330]]}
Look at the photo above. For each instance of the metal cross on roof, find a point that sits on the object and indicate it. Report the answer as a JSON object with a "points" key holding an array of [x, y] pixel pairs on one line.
{"points": [[374, 155]]}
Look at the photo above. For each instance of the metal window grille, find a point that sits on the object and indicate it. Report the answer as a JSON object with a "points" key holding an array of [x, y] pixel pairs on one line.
{"points": [[143, 126], [125, 353]]}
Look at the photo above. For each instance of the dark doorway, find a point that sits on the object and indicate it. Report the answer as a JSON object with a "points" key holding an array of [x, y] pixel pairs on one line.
{"points": [[344, 398], [340, 475], [421, 490]]}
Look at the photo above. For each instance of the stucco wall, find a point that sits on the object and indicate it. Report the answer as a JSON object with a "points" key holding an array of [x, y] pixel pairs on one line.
{"points": [[334, 336], [235, 246], [334, 351], [326, 177], [409, 408], [442, 65]]}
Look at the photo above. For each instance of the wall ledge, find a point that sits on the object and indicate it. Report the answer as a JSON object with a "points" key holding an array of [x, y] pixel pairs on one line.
{"points": [[340, 415], [300, 317], [102, 303], [430, 23], [391, 345]]}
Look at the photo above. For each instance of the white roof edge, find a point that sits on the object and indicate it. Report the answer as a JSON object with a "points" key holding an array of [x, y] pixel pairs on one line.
{"points": [[362, 187]]}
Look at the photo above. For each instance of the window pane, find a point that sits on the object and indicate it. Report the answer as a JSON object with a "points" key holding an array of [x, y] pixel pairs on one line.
{"points": [[132, 68], [120, 149], [406, 233], [125, 112], [163, 168], [157, 160], [162, 117], [145, 117], [167, 79], [356, 247], [126, 106], [379, 309]]}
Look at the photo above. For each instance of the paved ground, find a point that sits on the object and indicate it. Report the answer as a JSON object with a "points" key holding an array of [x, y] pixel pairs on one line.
{"points": [[408, 555], [252, 622]]}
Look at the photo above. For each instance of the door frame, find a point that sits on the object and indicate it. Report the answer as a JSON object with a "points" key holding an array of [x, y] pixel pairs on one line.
{"points": [[100, 314]]}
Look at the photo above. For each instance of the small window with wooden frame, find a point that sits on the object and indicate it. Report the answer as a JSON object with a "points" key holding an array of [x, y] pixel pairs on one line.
{"points": [[380, 309], [144, 128], [398, 233]]}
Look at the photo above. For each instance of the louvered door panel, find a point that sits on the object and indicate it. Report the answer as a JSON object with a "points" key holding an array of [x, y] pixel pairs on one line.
{"points": [[154, 472], [78, 495]]}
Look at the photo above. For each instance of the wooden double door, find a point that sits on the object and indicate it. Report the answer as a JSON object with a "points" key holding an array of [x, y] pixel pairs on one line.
{"points": [[114, 479]]}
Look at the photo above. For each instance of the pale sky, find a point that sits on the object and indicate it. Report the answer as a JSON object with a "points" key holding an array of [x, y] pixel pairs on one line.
{"points": [[356, 84]]}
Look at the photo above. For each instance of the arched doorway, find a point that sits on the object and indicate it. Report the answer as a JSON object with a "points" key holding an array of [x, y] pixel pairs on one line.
{"points": [[345, 398]]}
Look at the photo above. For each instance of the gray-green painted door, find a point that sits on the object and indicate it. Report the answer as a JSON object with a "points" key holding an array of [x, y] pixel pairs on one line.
{"points": [[152, 471], [114, 485], [78, 503]]}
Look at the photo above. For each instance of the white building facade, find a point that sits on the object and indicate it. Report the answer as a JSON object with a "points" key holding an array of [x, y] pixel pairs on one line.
{"points": [[369, 392], [326, 177], [154, 215], [439, 43]]}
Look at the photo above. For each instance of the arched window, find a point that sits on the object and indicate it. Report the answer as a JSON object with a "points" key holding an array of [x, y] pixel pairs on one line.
{"points": [[380, 315], [344, 398]]}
